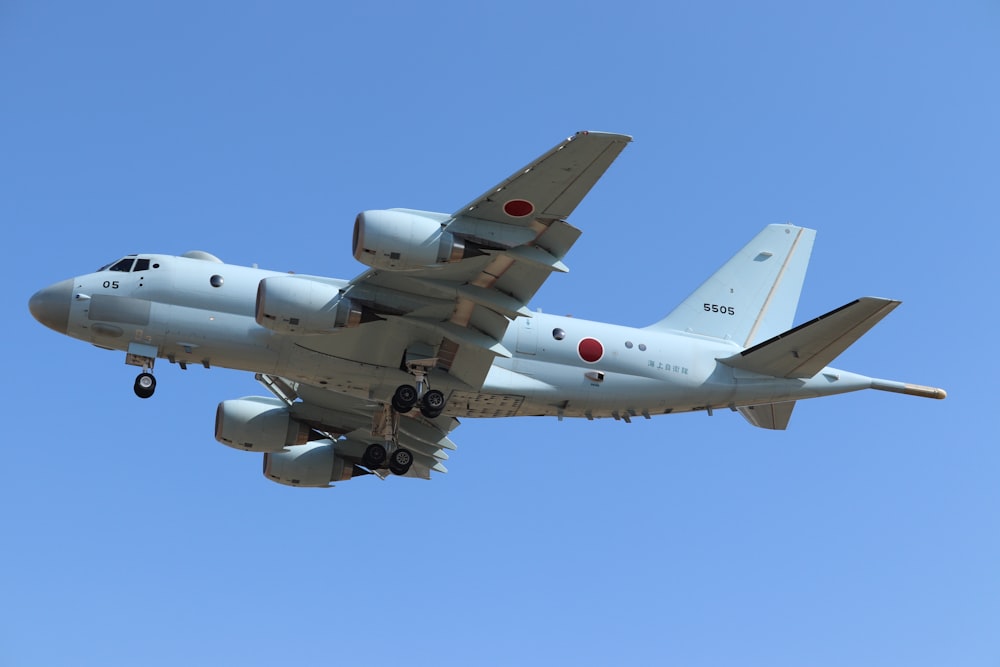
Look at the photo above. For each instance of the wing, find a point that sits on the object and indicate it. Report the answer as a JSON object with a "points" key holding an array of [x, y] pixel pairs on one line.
{"points": [[349, 422], [456, 314], [552, 186]]}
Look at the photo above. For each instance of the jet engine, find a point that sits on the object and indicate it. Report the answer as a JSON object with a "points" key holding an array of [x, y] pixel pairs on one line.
{"points": [[300, 305], [399, 240], [258, 424], [313, 464]]}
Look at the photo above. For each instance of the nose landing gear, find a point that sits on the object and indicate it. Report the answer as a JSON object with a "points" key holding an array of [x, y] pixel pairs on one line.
{"points": [[143, 356], [145, 385]]}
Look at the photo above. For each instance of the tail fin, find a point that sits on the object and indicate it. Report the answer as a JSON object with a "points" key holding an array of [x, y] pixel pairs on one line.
{"points": [[754, 295]]}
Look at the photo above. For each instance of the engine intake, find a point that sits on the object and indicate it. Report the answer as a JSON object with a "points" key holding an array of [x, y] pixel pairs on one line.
{"points": [[258, 424], [400, 240]]}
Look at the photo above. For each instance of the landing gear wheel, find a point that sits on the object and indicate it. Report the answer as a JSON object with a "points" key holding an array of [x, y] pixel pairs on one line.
{"points": [[432, 404], [145, 385], [404, 399], [400, 461], [374, 456]]}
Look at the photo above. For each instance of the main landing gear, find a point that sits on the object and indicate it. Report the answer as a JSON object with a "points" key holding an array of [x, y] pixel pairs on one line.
{"points": [[389, 456], [405, 399], [386, 423], [399, 461]]}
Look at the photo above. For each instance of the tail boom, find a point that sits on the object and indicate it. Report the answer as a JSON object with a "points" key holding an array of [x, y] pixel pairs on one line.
{"points": [[909, 389]]}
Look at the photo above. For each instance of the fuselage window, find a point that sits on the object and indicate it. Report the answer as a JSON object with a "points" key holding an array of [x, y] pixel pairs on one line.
{"points": [[123, 265], [141, 265]]}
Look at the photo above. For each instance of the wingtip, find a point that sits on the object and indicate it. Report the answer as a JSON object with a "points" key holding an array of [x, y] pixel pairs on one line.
{"points": [[621, 137]]}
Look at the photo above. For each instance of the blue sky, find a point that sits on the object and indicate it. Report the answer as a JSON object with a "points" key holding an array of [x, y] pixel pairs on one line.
{"points": [[866, 534]]}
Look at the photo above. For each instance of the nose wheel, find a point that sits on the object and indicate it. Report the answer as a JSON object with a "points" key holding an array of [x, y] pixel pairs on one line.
{"points": [[145, 385]]}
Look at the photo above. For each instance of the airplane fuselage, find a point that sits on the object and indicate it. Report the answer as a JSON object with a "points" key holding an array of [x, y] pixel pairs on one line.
{"points": [[199, 311]]}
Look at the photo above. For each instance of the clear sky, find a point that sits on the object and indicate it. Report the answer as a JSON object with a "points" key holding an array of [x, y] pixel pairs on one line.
{"points": [[866, 534]]}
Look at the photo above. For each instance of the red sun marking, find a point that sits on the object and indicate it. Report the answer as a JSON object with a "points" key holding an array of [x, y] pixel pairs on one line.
{"points": [[590, 350], [518, 208]]}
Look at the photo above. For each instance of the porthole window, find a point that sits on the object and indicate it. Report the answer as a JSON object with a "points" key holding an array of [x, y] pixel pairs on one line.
{"points": [[558, 334], [628, 344], [642, 346], [216, 280]]}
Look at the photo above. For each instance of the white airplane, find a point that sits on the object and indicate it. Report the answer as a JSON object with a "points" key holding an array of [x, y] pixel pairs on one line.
{"points": [[440, 323]]}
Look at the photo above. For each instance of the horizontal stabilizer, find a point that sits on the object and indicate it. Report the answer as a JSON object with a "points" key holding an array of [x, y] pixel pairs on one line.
{"points": [[773, 416], [808, 348]]}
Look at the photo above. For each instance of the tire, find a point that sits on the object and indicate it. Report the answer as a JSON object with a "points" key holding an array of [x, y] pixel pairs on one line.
{"points": [[433, 401], [374, 456], [400, 461], [404, 398], [145, 385]]}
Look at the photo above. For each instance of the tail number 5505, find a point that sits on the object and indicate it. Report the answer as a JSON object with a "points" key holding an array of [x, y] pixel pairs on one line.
{"points": [[716, 308]]}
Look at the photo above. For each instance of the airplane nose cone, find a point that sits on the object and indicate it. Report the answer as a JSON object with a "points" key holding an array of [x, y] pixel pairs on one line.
{"points": [[50, 306]]}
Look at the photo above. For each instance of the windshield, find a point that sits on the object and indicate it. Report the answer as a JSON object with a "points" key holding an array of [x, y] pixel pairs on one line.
{"points": [[125, 265]]}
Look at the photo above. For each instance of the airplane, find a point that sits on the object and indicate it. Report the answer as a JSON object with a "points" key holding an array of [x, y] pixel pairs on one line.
{"points": [[370, 376]]}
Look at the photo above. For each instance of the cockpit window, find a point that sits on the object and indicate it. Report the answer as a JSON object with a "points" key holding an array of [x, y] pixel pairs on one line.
{"points": [[125, 265]]}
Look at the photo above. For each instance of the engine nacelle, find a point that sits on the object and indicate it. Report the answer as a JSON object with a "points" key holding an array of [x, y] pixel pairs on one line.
{"points": [[300, 305], [258, 424], [401, 240], [314, 464]]}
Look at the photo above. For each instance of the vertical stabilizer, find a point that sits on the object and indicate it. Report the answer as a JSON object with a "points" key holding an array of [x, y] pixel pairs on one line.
{"points": [[754, 295]]}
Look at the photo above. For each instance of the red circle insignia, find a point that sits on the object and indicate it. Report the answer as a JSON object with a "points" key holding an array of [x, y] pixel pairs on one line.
{"points": [[518, 208], [590, 350]]}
